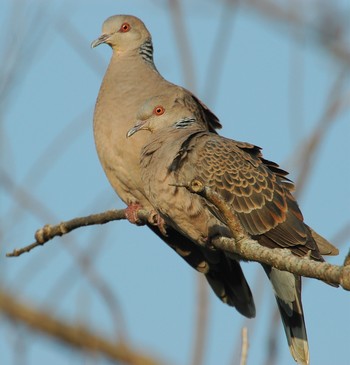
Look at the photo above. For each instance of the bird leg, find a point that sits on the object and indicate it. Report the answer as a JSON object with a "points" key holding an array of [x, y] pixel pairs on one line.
{"points": [[131, 213]]}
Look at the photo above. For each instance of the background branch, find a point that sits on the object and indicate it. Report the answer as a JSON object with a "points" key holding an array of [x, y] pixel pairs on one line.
{"points": [[245, 346], [74, 335]]}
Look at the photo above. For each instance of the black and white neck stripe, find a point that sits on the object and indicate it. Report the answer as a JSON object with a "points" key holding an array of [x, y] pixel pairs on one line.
{"points": [[184, 123], [146, 52]]}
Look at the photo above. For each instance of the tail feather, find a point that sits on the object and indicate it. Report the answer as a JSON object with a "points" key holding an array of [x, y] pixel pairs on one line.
{"points": [[325, 247], [287, 288], [229, 284]]}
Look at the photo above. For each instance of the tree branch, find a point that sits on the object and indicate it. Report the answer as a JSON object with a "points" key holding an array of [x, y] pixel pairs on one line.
{"points": [[74, 335], [281, 259], [48, 232], [241, 244]]}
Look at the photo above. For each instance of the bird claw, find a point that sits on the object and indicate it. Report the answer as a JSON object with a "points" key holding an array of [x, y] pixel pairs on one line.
{"points": [[156, 220], [131, 214]]}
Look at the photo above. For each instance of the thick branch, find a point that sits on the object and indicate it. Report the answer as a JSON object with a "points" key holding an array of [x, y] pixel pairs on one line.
{"points": [[281, 259], [74, 335], [48, 232]]}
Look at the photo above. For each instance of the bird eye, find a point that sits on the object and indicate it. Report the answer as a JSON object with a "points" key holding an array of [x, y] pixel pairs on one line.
{"points": [[125, 27], [158, 110]]}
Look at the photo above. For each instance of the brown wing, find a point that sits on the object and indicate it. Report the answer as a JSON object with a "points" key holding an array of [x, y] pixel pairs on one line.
{"points": [[258, 192]]}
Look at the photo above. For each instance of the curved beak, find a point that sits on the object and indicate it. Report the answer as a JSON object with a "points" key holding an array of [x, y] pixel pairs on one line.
{"points": [[101, 39], [140, 124]]}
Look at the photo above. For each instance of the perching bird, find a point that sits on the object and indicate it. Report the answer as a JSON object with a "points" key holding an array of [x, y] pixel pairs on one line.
{"points": [[179, 150], [130, 79]]}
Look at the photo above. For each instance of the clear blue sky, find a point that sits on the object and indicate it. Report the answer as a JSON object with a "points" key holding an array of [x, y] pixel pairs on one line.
{"points": [[272, 92]]}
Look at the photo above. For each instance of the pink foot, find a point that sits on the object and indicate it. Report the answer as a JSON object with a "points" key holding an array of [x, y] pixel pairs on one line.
{"points": [[131, 213]]}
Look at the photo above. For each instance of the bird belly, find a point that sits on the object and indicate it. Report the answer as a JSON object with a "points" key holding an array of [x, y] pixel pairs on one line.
{"points": [[115, 113], [181, 209]]}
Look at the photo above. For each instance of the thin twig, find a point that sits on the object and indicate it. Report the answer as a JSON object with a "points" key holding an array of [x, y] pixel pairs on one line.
{"points": [[48, 232], [245, 345], [258, 288]]}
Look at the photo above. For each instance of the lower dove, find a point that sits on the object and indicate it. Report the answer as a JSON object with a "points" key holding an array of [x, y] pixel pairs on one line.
{"points": [[178, 150]]}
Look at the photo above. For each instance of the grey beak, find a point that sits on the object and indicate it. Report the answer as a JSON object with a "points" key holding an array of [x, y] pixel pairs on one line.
{"points": [[138, 126], [101, 39]]}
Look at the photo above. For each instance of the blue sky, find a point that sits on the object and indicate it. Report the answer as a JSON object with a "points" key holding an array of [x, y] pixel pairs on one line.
{"points": [[272, 91]]}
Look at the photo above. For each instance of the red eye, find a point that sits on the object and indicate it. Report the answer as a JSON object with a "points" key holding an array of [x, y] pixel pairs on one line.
{"points": [[158, 110], [125, 27]]}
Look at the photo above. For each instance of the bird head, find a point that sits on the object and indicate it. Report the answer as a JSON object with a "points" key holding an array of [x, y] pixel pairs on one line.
{"points": [[161, 112], [123, 33]]}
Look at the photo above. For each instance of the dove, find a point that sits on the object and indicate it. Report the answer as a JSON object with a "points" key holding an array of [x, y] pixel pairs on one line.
{"points": [[258, 192]]}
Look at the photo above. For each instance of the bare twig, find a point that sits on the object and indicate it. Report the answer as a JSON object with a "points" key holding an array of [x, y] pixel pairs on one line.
{"points": [[48, 232], [75, 335], [245, 345], [258, 288], [281, 259]]}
